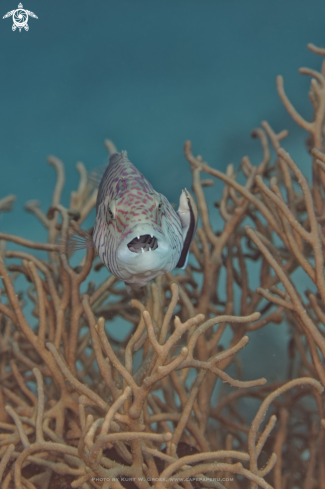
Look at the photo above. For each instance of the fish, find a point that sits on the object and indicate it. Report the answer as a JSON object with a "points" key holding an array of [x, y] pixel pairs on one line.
{"points": [[137, 233]]}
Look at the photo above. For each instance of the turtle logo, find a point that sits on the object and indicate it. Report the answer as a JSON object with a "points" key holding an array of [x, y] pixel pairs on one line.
{"points": [[20, 18]]}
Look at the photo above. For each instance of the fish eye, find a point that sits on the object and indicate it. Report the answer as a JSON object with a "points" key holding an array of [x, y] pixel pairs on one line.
{"points": [[110, 213]]}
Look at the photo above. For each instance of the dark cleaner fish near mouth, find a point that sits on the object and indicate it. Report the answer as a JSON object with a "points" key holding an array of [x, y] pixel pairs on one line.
{"points": [[137, 233]]}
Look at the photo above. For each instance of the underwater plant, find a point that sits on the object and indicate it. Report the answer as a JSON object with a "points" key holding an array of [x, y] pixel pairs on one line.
{"points": [[164, 406]]}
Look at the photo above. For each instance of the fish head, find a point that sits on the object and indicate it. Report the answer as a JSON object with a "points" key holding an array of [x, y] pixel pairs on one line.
{"points": [[142, 235]]}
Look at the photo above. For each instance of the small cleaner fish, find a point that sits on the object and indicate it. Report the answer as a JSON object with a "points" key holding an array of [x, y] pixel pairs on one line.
{"points": [[137, 233]]}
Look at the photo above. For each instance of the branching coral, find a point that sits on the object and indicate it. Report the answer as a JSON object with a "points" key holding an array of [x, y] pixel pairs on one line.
{"points": [[79, 408]]}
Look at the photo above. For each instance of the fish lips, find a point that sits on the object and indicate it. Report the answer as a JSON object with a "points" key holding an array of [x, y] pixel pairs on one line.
{"points": [[134, 260]]}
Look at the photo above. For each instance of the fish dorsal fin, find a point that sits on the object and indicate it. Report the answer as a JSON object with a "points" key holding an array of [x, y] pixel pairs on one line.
{"points": [[188, 214], [117, 158], [76, 242], [96, 175]]}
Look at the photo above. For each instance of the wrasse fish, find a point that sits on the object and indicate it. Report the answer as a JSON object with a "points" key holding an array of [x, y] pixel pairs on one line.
{"points": [[137, 233]]}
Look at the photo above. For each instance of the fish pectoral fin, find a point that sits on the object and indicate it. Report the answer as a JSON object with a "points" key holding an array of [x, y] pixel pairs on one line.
{"points": [[188, 214], [77, 241]]}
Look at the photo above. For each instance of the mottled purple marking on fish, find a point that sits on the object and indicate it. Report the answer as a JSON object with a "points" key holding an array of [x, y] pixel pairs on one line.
{"points": [[138, 234]]}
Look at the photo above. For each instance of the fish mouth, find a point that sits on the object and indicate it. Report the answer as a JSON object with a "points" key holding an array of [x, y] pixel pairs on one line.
{"points": [[144, 250], [143, 243]]}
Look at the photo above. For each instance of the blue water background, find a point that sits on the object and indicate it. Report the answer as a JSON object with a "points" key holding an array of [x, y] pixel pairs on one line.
{"points": [[150, 75]]}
